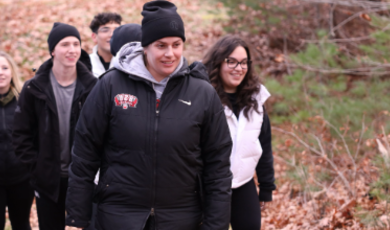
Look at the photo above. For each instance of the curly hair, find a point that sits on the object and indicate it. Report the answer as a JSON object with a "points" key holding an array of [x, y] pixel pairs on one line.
{"points": [[249, 86], [104, 18]]}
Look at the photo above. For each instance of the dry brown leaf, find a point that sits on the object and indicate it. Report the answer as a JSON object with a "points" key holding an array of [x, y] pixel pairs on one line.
{"points": [[279, 58], [365, 17]]}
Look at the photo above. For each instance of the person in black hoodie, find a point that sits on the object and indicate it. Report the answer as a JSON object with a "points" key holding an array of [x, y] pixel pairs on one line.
{"points": [[233, 76], [45, 119], [156, 129], [15, 189]]}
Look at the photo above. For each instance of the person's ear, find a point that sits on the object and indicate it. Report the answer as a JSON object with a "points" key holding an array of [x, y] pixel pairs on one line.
{"points": [[146, 48], [94, 37]]}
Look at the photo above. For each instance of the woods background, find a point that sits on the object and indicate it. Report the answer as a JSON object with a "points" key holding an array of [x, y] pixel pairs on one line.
{"points": [[327, 66]]}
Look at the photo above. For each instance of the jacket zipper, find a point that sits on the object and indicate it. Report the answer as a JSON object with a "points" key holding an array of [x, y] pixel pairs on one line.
{"points": [[152, 211], [154, 157]]}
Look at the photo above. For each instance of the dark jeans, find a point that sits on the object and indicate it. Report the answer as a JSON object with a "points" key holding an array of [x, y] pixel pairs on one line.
{"points": [[51, 215], [18, 198], [245, 209]]}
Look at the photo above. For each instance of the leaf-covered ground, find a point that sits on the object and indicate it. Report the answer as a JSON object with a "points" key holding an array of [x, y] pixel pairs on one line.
{"points": [[310, 194], [25, 25]]}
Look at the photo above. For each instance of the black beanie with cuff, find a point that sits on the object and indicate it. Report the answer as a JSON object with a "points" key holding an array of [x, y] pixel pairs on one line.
{"points": [[59, 32], [161, 20]]}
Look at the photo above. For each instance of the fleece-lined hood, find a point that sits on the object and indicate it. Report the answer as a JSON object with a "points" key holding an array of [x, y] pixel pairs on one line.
{"points": [[130, 59]]}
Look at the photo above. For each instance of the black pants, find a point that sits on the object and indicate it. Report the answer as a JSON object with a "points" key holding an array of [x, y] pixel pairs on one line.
{"points": [[51, 215], [18, 198], [245, 209]]}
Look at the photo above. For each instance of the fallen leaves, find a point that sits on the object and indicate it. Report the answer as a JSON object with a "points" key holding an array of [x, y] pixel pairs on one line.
{"points": [[25, 25], [279, 58], [365, 17]]}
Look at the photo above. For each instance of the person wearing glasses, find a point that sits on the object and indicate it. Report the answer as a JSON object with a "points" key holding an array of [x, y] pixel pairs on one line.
{"points": [[157, 130], [103, 26], [233, 76]]}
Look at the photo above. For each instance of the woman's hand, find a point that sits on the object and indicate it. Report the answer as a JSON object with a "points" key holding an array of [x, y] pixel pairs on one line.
{"points": [[262, 205], [73, 228]]}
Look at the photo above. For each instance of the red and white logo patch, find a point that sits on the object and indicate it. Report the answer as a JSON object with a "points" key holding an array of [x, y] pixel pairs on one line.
{"points": [[126, 101]]}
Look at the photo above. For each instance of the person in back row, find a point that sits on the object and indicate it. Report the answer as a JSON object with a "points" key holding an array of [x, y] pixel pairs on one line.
{"points": [[156, 128], [15, 190], [45, 119], [103, 26], [125, 34]]}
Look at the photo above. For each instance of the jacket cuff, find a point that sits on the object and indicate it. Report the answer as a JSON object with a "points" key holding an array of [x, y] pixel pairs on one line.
{"points": [[265, 195]]}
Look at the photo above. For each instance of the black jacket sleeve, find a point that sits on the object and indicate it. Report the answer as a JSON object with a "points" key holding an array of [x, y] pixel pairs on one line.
{"points": [[216, 148], [25, 130], [86, 155], [265, 166]]}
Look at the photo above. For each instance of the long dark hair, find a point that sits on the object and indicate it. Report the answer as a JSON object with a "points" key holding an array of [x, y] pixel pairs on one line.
{"points": [[249, 86]]}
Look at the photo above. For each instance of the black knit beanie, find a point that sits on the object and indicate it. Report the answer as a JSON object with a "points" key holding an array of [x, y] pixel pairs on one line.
{"points": [[60, 31], [161, 20], [125, 34]]}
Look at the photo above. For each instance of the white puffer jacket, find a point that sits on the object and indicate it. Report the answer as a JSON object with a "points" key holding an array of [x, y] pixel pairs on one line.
{"points": [[97, 66], [246, 150]]}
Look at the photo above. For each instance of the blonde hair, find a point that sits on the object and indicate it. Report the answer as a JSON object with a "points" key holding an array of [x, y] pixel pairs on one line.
{"points": [[16, 83]]}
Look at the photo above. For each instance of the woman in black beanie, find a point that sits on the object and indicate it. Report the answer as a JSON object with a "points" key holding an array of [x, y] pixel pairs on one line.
{"points": [[156, 129]]}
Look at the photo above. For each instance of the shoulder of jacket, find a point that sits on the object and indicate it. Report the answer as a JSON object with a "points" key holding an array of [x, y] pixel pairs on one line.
{"points": [[201, 82], [262, 95], [111, 73], [27, 84]]}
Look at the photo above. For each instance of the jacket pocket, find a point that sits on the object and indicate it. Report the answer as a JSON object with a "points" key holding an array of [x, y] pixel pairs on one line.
{"points": [[98, 192]]}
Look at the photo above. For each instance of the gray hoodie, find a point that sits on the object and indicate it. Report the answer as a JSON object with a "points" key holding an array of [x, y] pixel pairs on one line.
{"points": [[130, 59]]}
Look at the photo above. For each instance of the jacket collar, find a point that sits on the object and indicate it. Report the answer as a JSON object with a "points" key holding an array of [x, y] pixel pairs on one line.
{"points": [[8, 98], [42, 77], [97, 61], [85, 82]]}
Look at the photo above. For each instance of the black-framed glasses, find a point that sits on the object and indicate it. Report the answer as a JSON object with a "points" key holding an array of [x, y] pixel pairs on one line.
{"points": [[233, 63]]}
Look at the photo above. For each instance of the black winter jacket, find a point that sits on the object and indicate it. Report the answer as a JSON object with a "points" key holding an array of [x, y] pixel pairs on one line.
{"points": [[162, 162], [11, 169], [36, 126]]}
